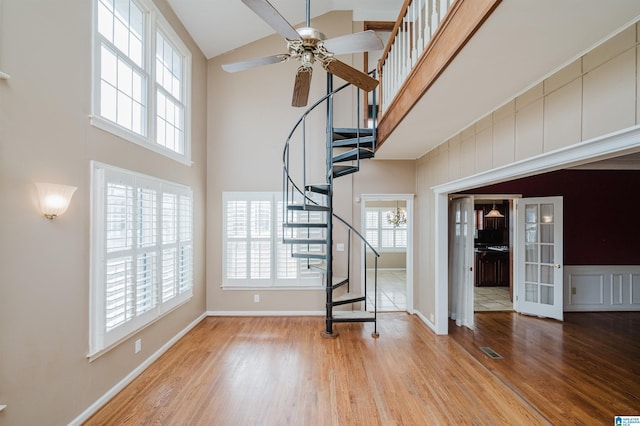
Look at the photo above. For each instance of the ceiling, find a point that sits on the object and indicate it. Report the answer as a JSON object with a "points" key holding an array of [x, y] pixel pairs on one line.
{"points": [[522, 43], [218, 26]]}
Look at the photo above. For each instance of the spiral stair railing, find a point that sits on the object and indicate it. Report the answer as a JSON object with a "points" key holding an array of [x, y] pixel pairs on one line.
{"points": [[313, 239]]}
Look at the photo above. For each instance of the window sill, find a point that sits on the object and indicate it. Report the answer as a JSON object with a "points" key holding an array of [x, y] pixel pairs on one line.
{"points": [[272, 288], [109, 127], [97, 354]]}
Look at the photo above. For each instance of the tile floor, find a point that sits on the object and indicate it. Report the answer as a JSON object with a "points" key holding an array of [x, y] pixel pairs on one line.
{"points": [[392, 294], [392, 290], [492, 299]]}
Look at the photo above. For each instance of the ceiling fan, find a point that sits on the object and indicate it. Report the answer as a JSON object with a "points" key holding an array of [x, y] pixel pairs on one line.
{"points": [[308, 46]]}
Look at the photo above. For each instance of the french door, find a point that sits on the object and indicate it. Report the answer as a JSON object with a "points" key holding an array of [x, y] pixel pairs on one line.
{"points": [[539, 254]]}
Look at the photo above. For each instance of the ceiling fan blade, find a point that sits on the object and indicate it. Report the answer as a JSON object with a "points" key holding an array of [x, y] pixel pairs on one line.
{"points": [[255, 62], [301, 87], [271, 16], [350, 74], [364, 41]]}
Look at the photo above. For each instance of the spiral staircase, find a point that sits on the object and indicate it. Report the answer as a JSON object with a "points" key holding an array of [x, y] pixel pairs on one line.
{"points": [[310, 221]]}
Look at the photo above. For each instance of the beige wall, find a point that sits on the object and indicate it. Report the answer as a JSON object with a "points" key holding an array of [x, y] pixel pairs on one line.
{"points": [[595, 95], [45, 135], [249, 118]]}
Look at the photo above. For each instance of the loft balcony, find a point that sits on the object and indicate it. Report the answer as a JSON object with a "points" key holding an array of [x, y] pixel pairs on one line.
{"points": [[449, 63]]}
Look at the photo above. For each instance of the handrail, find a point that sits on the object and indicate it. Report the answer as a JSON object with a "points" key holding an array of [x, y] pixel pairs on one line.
{"points": [[358, 234], [287, 176], [416, 27], [394, 33]]}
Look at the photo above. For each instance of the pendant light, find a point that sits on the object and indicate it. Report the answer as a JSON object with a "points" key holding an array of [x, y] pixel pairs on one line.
{"points": [[494, 212]]}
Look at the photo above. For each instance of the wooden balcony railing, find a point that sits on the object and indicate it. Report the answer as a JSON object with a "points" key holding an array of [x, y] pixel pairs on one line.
{"points": [[416, 24], [426, 37]]}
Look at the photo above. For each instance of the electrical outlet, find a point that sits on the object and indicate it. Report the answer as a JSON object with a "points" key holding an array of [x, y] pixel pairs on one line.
{"points": [[256, 298], [432, 318], [340, 247], [138, 346]]}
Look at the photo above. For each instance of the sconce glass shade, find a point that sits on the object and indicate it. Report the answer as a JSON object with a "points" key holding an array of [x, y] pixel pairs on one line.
{"points": [[54, 198]]}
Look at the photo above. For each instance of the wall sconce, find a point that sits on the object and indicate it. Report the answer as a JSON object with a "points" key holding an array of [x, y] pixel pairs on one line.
{"points": [[54, 198]]}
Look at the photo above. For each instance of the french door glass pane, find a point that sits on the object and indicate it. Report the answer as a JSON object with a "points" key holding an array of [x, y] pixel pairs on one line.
{"points": [[546, 233], [546, 274], [546, 294], [531, 233], [531, 252], [546, 213], [531, 213], [531, 273], [531, 293], [546, 253]]}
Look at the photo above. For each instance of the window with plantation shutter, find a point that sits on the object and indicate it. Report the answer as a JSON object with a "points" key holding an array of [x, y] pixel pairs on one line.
{"points": [[381, 234], [142, 252], [253, 253]]}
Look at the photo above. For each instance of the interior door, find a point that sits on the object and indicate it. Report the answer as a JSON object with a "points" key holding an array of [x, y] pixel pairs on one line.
{"points": [[539, 256], [461, 231]]}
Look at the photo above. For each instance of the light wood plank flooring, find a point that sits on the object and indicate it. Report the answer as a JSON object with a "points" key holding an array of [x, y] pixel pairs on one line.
{"points": [[279, 371]]}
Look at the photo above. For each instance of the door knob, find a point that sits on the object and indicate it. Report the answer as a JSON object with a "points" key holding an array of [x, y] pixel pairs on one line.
{"points": [[558, 266]]}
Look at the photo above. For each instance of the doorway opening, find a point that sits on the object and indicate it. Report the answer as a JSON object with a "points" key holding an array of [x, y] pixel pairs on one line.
{"points": [[387, 224], [492, 254]]}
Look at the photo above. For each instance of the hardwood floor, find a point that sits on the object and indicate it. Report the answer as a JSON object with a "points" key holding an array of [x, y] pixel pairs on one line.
{"points": [[585, 370], [279, 371]]}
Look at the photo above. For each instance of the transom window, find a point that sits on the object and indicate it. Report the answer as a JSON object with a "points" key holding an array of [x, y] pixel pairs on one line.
{"points": [[141, 99], [142, 251], [254, 254]]}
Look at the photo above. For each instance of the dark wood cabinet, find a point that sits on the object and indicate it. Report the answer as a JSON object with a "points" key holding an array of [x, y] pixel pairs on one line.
{"points": [[492, 268]]}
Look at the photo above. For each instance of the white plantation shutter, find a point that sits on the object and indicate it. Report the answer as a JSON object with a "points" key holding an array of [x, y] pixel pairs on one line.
{"points": [[380, 233], [287, 266], [142, 261], [185, 245], [254, 254], [372, 218], [260, 246]]}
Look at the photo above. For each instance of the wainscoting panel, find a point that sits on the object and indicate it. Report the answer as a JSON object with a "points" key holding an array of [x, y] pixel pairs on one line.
{"points": [[601, 288]]}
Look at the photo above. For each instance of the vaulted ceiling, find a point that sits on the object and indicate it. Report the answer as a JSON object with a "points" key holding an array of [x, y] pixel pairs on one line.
{"points": [[522, 43]]}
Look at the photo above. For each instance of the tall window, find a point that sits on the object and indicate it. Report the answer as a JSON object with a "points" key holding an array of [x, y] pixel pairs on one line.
{"points": [[382, 234], [254, 254], [142, 251], [138, 98]]}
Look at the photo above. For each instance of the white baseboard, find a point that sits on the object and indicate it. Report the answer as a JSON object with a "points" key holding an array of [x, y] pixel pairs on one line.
{"points": [[601, 288], [135, 373], [263, 313], [424, 319]]}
